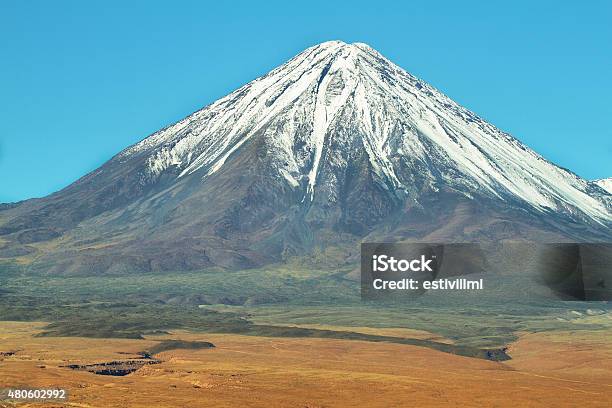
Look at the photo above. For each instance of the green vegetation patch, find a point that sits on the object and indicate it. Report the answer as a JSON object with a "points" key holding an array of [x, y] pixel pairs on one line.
{"points": [[178, 344]]}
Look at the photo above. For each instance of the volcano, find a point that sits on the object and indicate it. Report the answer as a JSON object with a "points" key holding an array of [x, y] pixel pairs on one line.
{"points": [[335, 147]]}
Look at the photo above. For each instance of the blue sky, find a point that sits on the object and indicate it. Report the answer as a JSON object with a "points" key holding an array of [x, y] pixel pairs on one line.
{"points": [[80, 81]]}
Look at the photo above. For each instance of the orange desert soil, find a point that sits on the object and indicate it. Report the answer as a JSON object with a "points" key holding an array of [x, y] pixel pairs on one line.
{"points": [[555, 369]]}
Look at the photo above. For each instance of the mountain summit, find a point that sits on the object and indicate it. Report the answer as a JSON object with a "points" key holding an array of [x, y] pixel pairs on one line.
{"points": [[335, 146]]}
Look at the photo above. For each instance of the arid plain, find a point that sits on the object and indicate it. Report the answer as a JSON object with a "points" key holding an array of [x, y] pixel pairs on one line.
{"points": [[560, 369]]}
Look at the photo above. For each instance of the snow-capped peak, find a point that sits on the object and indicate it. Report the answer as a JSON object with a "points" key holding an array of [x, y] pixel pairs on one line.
{"points": [[334, 87]]}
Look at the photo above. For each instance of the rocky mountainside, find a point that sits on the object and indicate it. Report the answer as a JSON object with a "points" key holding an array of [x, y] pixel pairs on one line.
{"points": [[336, 146], [606, 184]]}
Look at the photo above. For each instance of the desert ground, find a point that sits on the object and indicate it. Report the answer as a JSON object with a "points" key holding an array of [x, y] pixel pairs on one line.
{"points": [[550, 369]]}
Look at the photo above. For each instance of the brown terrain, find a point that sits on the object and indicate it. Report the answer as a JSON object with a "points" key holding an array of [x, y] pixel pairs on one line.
{"points": [[554, 369]]}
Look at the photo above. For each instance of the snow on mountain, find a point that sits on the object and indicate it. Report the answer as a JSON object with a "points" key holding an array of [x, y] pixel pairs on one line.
{"points": [[302, 105], [335, 147], [606, 184]]}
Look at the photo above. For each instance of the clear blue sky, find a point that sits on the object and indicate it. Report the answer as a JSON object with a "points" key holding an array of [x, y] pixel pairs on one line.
{"points": [[81, 80]]}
